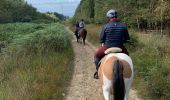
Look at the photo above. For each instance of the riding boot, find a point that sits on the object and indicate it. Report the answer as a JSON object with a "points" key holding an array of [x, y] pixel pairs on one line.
{"points": [[97, 60]]}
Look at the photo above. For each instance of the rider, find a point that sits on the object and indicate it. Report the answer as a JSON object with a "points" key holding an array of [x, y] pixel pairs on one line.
{"points": [[113, 34], [76, 27], [81, 25]]}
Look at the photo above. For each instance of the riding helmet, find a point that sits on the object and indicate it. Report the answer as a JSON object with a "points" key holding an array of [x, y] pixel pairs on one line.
{"points": [[111, 13]]}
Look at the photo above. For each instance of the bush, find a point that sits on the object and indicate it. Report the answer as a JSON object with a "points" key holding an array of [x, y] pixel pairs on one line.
{"points": [[50, 39], [38, 21], [37, 65], [26, 19], [8, 32]]}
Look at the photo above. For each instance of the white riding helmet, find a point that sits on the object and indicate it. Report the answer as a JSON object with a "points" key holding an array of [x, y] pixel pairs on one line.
{"points": [[111, 13]]}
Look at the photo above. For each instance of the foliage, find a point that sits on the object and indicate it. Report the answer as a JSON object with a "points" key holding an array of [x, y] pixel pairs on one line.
{"points": [[8, 32], [84, 12], [36, 63], [60, 16], [151, 60], [142, 14], [19, 11]]}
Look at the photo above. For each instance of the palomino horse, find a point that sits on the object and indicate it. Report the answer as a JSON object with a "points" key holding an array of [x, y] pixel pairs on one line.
{"points": [[116, 74], [82, 35]]}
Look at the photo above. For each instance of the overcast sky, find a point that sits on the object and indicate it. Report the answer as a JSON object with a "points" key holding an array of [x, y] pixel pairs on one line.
{"points": [[65, 7]]}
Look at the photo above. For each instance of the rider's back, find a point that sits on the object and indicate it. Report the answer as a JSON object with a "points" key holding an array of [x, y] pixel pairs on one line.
{"points": [[81, 24], [115, 34]]}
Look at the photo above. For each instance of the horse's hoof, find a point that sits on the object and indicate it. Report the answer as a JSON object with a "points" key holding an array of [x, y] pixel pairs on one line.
{"points": [[96, 75]]}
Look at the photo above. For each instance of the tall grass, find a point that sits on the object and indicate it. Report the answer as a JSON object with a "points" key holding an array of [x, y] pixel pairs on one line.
{"points": [[37, 65], [11, 31], [152, 65], [93, 34]]}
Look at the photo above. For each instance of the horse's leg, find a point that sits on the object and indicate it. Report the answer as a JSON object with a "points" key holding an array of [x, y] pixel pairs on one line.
{"points": [[107, 85], [77, 38], [127, 82], [84, 39], [81, 40]]}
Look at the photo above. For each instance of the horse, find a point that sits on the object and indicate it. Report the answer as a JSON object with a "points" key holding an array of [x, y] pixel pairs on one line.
{"points": [[82, 35], [116, 73]]}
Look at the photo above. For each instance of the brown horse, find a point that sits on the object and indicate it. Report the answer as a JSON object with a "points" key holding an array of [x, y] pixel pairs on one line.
{"points": [[82, 35]]}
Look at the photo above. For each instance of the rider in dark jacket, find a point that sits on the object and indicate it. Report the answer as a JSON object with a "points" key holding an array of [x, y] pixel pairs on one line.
{"points": [[113, 34], [76, 28]]}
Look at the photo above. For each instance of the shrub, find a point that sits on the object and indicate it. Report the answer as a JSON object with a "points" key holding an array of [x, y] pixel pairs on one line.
{"points": [[37, 65], [52, 38]]}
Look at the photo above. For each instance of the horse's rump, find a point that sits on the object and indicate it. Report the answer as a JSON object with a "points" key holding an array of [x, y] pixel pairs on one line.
{"points": [[113, 70], [82, 35], [107, 67], [83, 32]]}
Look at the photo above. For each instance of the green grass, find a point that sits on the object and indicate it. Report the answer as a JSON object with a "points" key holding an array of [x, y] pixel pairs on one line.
{"points": [[36, 65], [15, 30], [151, 61]]}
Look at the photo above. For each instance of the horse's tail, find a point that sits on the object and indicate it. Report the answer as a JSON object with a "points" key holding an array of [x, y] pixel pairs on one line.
{"points": [[119, 86]]}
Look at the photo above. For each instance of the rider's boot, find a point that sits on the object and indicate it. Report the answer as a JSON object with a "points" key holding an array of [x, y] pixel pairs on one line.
{"points": [[97, 60]]}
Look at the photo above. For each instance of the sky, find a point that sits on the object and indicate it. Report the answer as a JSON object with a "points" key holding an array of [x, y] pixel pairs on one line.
{"points": [[65, 7]]}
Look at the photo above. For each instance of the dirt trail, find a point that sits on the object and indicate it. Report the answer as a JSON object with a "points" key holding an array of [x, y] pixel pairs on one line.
{"points": [[83, 86]]}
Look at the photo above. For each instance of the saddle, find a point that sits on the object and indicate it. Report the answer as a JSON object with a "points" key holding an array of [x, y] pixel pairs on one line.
{"points": [[108, 51], [113, 50]]}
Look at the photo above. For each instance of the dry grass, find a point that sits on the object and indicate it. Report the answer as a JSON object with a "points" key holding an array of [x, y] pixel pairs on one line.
{"points": [[93, 33]]}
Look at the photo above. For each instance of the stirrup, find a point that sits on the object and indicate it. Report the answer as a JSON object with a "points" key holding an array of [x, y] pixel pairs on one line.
{"points": [[96, 75]]}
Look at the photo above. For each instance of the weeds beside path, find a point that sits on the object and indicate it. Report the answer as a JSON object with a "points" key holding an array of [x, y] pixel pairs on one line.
{"points": [[83, 86]]}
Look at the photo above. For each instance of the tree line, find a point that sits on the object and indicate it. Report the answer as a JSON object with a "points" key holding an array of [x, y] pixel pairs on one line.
{"points": [[21, 11], [142, 14]]}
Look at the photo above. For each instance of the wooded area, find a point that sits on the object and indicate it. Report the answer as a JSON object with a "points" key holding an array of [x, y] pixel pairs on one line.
{"points": [[141, 14]]}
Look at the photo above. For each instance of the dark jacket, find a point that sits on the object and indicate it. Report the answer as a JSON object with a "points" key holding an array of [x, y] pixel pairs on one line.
{"points": [[114, 34], [77, 25]]}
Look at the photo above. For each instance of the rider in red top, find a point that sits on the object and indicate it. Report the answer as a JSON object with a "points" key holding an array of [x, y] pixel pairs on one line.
{"points": [[113, 34]]}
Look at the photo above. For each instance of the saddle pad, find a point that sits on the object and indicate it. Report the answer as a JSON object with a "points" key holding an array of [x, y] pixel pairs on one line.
{"points": [[113, 50]]}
